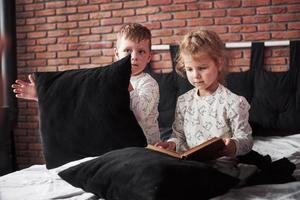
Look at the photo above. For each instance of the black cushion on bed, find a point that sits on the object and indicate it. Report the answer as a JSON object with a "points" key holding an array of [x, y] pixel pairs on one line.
{"points": [[140, 174], [171, 85], [272, 94], [86, 112]]}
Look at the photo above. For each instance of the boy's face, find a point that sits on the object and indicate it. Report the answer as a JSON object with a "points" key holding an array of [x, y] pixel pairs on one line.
{"points": [[140, 53]]}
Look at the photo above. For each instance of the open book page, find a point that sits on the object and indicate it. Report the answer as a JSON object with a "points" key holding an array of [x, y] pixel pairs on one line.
{"points": [[205, 151]]}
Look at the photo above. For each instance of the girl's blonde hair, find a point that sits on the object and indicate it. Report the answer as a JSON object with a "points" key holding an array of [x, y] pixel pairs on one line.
{"points": [[202, 41]]}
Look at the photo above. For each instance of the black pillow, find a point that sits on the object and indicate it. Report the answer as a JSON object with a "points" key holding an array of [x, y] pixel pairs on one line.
{"points": [[86, 112], [136, 173], [274, 96]]}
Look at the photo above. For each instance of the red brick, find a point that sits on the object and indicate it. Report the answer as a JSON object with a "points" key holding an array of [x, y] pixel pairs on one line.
{"points": [[200, 22], [135, 19], [100, 15], [227, 4], [271, 27], [241, 11], [111, 21], [270, 10], [159, 17], [67, 25], [57, 4], [186, 14], [89, 8], [45, 27], [46, 40], [90, 23], [228, 20], [67, 54], [36, 48], [200, 6], [79, 61], [80, 31], [35, 6], [89, 38], [78, 17], [286, 18], [63, 11], [67, 40], [40, 34], [256, 36], [212, 13], [146, 10], [173, 24], [48, 12], [45, 55], [89, 53], [57, 47], [294, 26], [56, 19], [111, 6], [47, 69], [123, 13], [36, 20], [242, 29], [24, 14], [172, 8], [159, 2], [101, 60], [135, 4], [256, 19], [247, 3], [57, 33], [286, 35], [56, 62]]}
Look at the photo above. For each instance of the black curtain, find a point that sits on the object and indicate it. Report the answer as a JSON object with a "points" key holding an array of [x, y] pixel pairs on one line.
{"points": [[8, 104]]}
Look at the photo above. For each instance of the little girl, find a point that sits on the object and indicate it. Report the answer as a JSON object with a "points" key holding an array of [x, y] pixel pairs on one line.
{"points": [[210, 109]]}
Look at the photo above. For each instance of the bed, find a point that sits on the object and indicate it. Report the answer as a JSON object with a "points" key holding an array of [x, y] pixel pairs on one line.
{"points": [[276, 135], [37, 182]]}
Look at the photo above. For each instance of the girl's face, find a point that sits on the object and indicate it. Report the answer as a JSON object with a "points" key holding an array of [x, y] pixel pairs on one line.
{"points": [[202, 72]]}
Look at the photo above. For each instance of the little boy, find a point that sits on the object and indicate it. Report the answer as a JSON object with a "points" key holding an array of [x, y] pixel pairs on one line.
{"points": [[133, 39]]}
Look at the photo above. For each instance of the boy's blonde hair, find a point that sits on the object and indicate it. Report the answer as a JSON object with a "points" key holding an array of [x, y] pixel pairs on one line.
{"points": [[202, 41], [135, 32]]}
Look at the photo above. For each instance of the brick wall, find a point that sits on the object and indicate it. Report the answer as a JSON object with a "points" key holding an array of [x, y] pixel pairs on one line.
{"points": [[55, 35]]}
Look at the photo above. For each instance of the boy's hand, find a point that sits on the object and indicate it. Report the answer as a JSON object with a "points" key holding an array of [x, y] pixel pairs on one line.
{"points": [[229, 149], [25, 90], [130, 88], [166, 145]]}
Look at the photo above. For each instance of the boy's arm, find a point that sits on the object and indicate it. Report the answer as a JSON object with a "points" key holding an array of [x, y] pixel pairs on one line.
{"points": [[25, 90]]}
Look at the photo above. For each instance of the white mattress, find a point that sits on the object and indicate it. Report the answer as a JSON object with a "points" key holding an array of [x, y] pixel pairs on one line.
{"points": [[38, 183]]}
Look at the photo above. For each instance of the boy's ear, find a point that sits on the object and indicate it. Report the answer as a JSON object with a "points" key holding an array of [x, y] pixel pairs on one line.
{"points": [[116, 53], [150, 57]]}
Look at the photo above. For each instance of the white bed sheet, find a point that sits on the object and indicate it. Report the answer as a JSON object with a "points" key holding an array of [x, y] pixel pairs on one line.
{"points": [[38, 183]]}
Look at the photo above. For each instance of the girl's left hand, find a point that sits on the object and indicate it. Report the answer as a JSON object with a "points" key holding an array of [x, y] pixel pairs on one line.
{"points": [[229, 149]]}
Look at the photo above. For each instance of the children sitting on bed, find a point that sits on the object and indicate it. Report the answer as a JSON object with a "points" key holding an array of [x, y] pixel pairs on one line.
{"points": [[133, 39], [210, 109]]}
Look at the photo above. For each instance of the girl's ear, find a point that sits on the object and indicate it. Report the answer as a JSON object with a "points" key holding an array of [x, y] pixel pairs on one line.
{"points": [[220, 64], [116, 53]]}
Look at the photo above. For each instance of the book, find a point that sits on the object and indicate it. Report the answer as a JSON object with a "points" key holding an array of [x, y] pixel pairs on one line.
{"points": [[207, 150]]}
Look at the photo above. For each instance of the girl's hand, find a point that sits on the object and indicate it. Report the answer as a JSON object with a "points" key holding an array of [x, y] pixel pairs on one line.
{"points": [[25, 90], [166, 145], [229, 149]]}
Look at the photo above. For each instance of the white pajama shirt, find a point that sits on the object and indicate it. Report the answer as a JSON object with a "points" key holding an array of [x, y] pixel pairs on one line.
{"points": [[222, 114], [144, 101]]}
